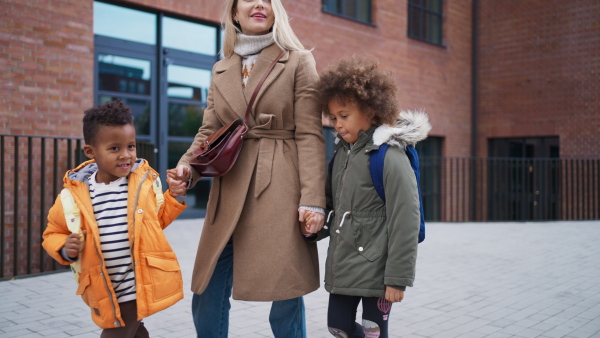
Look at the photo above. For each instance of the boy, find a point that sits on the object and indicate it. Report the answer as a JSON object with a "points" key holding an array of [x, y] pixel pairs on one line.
{"points": [[128, 269], [373, 246]]}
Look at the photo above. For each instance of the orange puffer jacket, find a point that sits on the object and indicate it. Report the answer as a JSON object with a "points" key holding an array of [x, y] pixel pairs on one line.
{"points": [[157, 273]]}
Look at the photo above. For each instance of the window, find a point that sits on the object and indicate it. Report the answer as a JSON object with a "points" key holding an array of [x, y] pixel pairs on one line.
{"points": [[359, 10], [425, 20], [160, 66]]}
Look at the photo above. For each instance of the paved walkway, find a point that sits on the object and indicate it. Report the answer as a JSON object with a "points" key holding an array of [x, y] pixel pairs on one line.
{"points": [[473, 280]]}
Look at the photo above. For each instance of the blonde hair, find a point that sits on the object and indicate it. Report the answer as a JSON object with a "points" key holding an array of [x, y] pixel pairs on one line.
{"points": [[282, 31]]}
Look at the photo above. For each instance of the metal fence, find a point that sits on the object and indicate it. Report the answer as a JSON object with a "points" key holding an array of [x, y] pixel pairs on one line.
{"points": [[31, 173], [453, 190], [510, 189]]}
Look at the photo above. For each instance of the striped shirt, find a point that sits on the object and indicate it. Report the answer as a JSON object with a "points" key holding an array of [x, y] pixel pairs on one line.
{"points": [[110, 209]]}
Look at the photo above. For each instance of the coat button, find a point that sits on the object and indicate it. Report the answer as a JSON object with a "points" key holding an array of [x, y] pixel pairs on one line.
{"points": [[360, 248], [116, 323], [140, 211], [154, 175]]}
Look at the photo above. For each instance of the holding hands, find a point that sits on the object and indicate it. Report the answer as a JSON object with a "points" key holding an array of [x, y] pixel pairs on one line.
{"points": [[310, 222], [177, 179]]}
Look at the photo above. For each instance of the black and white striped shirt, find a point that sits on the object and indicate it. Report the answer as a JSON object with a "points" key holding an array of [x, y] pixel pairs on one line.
{"points": [[110, 209]]}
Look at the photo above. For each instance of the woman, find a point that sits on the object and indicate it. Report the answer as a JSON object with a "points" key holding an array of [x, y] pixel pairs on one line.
{"points": [[251, 237]]}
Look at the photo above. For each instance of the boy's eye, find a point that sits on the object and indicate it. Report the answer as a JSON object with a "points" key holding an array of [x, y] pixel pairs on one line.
{"points": [[114, 148], [132, 146]]}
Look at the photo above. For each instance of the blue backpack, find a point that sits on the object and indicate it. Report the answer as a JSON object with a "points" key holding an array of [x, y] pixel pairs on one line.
{"points": [[376, 160]]}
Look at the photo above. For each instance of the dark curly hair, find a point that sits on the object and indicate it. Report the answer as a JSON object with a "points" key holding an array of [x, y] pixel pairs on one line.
{"points": [[114, 113], [357, 79]]}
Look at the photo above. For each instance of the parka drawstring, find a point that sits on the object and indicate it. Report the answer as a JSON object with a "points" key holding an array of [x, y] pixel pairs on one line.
{"points": [[343, 218], [328, 218]]}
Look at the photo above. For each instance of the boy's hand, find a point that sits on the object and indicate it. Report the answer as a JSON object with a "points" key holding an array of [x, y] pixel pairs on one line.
{"points": [[74, 244], [177, 186], [393, 295]]}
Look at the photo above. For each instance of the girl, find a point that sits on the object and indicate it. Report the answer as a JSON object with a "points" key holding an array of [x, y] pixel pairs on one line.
{"points": [[373, 245]]}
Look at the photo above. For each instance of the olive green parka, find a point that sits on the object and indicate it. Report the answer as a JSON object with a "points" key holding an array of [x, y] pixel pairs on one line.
{"points": [[373, 244]]}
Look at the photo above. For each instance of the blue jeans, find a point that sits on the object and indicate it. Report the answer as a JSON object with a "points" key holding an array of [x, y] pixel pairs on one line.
{"points": [[210, 310]]}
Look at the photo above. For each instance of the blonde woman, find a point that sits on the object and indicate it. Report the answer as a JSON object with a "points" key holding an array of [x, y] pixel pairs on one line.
{"points": [[251, 241]]}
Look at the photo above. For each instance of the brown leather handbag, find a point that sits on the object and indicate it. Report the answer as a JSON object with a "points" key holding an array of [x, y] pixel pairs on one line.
{"points": [[218, 153]]}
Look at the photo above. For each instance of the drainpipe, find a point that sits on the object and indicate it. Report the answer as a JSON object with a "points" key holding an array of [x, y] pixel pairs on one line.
{"points": [[473, 181]]}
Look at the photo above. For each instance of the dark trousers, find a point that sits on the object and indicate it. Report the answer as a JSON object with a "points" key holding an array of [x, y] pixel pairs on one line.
{"points": [[133, 328], [341, 316]]}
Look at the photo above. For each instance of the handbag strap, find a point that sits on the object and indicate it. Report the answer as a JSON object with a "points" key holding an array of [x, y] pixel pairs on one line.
{"points": [[260, 83]]}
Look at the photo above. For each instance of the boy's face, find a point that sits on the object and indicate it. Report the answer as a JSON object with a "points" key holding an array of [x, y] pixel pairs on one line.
{"points": [[114, 151], [348, 119]]}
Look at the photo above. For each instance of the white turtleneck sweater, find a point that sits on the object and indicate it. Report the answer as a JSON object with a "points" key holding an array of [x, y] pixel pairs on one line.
{"points": [[249, 47]]}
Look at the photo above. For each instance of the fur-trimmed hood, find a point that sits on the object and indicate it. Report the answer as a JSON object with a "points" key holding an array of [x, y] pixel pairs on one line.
{"points": [[411, 127]]}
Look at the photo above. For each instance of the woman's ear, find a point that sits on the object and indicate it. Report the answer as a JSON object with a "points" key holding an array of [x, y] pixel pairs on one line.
{"points": [[88, 151]]}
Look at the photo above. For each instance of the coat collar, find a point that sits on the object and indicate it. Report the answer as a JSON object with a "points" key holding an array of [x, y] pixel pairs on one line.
{"points": [[228, 79]]}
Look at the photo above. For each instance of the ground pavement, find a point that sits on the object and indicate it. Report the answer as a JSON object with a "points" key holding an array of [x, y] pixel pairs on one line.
{"points": [[473, 280]]}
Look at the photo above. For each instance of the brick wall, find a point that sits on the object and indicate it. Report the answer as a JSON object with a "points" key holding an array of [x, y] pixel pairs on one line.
{"points": [[539, 73], [46, 57]]}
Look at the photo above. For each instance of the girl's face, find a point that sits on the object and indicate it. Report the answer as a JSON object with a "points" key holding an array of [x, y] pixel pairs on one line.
{"points": [[348, 119], [254, 16]]}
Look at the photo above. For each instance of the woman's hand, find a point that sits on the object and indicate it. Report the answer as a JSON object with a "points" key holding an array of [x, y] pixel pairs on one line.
{"points": [[313, 220], [177, 187], [393, 295]]}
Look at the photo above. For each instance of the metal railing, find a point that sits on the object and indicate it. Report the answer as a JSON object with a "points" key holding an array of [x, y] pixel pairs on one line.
{"points": [[453, 190], [31, 173], [510, 189]]}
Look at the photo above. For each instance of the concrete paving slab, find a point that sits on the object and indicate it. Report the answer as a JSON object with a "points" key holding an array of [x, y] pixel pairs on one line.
{"points": [[521, 279]]}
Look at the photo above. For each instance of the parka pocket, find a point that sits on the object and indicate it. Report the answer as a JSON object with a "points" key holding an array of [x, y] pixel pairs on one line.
{"points": [[165, 275], [92, 289], [370, 237]]}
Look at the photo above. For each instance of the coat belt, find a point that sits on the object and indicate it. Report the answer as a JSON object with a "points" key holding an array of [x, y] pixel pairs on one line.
{"points": [[266, 152]]}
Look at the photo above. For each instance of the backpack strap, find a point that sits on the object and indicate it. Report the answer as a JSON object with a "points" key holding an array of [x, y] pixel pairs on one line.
{"points": [[376, 160], [413, 157], [160, 198], [73, 218]]}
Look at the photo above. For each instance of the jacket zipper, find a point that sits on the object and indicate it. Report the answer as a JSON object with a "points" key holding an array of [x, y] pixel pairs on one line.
{"points": [[112, 302], [135, 206], [337, 237]]}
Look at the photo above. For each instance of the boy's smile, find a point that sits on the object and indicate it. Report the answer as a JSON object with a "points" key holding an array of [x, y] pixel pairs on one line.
{"points": [[348, 120], [114, 150]]}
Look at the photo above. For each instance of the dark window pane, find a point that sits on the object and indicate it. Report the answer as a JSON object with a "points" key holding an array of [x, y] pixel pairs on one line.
{"points": [[140, 110], [184, 119], [356, 9], [123, 74], [124, 23], [189, 36]]}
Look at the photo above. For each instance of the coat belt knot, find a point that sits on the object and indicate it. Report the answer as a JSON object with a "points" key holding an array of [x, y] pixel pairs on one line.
{"points": [[266, 151]]}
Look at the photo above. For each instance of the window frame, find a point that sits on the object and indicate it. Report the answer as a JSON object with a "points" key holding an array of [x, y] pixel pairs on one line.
{"points": [[422, 24], [328, 6]]}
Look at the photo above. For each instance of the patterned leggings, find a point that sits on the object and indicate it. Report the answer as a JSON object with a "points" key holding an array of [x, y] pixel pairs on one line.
{"points": [[341, 316]]}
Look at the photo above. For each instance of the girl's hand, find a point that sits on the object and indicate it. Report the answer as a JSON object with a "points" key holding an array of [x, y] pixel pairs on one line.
{"points": [[393, 295]]}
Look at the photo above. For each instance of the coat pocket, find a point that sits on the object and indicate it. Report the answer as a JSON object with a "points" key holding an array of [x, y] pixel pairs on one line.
{"points": [[92, 289], [164, 274], [370, 238]]}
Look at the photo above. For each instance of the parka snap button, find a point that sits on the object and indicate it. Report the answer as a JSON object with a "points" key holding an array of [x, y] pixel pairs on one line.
{"points": [[360, 248], [337, 231], [154, 175], [140, 211], [116, 324], [101, 274]]}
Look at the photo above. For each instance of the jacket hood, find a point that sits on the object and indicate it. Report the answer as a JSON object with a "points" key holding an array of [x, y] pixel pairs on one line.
{"points": [[87, 168], [411, 127]]}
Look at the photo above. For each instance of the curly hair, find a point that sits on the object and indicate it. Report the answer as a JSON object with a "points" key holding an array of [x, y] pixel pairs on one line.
{"points": [[113, 113], [357, 79]]}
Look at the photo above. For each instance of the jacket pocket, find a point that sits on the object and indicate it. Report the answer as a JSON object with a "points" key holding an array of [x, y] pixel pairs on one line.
{"points": [[165, 275], [370, 236], [92, 289]]}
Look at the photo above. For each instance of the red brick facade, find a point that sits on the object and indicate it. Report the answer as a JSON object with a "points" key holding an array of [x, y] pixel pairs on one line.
{"points": [[539, 70]]}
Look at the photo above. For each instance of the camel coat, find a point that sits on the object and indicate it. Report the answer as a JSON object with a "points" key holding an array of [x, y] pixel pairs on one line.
{"points": [[281, 166]]}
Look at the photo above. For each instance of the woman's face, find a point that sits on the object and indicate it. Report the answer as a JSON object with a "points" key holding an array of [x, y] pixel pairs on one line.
{"points": [[254, 16]]}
